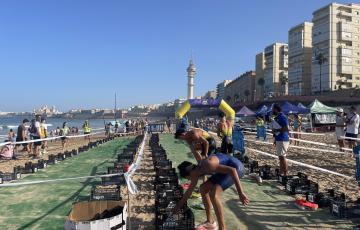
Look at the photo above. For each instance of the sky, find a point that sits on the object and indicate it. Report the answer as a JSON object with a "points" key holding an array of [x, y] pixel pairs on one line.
{"points": [[78, 53]]}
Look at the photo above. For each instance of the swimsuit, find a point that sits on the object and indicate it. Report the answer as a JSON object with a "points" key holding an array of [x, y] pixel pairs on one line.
{"points": [[225, 180]]}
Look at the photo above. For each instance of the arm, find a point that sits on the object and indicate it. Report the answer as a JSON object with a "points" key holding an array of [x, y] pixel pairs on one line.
{"points": [[196, 154], [186, 195], [205, 150], [232, 171]]}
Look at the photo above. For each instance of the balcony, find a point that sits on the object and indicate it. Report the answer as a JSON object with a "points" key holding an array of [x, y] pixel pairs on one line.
{"points": [[345, 27], [345, 36], [346, 52], [346, 69]]}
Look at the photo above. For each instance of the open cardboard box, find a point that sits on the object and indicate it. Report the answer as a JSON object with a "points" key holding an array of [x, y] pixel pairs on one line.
{"points": [[83, 212]]}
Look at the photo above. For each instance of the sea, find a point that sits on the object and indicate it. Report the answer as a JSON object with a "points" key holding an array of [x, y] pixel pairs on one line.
{"points": [[7, 123]]}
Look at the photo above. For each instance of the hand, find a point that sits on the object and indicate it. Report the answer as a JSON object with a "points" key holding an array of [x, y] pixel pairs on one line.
{"points": [[244, 199], [274, 144]]}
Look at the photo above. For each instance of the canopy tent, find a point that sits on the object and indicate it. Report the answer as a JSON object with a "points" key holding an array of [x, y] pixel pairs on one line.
{"points": [[262, 111], [300, 105], [317, 107], [288, 108], [322, 114], [245, 112]]}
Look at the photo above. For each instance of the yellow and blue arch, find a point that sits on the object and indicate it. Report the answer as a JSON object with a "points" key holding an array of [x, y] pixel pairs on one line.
{"points": [[198, 103]]}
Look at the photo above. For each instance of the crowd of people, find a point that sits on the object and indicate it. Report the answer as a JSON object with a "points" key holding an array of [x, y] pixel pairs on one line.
{"points": [[33, 130]]}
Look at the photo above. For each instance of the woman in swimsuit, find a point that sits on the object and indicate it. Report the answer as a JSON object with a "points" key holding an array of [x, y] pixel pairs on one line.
{"points": [[225, 171]]}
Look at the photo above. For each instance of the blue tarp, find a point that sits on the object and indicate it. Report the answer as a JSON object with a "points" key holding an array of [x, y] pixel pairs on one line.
{"points": [[288, 108]]}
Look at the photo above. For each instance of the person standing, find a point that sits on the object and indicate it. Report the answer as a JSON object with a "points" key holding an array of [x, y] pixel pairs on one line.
{"points": [[87, 130], [36, 135], [225, 133], [44, 134], [340, 127], [12, 135], [64, 132], [168, 124], [280, 129], [297, 125], [260, 128], [22, 136], [352, 126]]}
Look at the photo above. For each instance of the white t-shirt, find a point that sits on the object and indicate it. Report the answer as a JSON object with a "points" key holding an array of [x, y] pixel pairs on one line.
{"points": [[353, 125], [38, 127]]}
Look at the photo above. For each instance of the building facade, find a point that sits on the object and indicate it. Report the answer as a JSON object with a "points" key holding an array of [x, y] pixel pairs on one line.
{"points": [[241, 89], [300, 58], [210, 94], [259, 72], [220, 89], [275, 73], [335, 40]]}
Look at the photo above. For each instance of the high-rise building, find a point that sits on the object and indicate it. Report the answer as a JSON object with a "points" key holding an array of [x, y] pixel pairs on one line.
{"points": [[210, 94], [259, 79], [241, 89], [191, 70], [220, 89], [300, 58], [275, 72], [336, 47]]}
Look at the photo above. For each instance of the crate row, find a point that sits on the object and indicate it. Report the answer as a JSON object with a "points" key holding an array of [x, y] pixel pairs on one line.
{"points": [[110, 186], [33, 167], [168, 192], [300, 185]]}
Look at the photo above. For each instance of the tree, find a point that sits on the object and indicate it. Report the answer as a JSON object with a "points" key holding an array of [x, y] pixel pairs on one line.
{"points": [[247, 94], [261, 83], [283, 82], [320, 60]]}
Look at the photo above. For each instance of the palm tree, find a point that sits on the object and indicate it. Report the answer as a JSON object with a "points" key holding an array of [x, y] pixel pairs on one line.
{"points": [[261, 83], [283, 82], [320, 60], [247, 94]]}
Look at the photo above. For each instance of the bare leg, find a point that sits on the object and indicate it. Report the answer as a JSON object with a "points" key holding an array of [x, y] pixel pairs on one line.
{"points": [[204, 190], [215, 196], [283, 165]]}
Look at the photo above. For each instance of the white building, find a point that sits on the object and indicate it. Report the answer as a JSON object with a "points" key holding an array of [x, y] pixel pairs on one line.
{"points": [[336, 36]]}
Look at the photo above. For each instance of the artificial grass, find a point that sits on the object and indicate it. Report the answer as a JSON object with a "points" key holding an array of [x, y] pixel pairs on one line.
{"points": [[45, 206], [270, 208]]}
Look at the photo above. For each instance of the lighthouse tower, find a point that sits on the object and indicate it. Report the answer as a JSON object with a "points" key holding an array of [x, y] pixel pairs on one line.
{"points": [[191, 70]]}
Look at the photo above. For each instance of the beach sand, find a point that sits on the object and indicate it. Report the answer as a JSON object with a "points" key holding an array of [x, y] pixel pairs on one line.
{"points": [[54, 147]]}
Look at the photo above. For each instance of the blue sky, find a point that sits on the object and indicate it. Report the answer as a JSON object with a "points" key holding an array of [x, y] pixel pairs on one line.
{"points": [[77, 53]]}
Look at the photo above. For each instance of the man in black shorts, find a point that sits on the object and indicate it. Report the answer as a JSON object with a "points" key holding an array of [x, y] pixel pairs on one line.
{"points": [[21, 136]]}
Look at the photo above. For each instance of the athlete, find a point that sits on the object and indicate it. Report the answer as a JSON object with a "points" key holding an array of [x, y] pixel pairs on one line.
{"points": [[198, 140], [224, 171]]}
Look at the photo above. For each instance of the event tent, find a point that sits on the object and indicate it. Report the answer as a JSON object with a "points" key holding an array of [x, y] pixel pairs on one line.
{"points": [[317, 107], [322, 114], [245, 112], [288, 108], [262, 111]]}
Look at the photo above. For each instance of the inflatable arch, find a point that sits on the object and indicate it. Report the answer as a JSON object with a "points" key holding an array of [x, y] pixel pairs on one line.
{"points": [[198, 103]]}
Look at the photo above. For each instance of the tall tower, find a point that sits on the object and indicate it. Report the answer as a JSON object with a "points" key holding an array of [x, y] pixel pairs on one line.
{"points": [[191, 70]]}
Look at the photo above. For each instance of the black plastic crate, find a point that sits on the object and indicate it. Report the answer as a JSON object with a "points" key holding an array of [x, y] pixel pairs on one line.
{"points": [[284, 179], [162, 163], [68, 154], [301, 186], [9, 176], [166, 179], [165, 172], [181, 221], [253, 167], [114, 180], [266, 173], [338, 206], [30, 168], [109, 192], [16, 175], [42, 164], [61, 156]]}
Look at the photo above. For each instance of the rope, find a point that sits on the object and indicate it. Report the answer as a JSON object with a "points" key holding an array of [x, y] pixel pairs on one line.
{"points": [[302, 164]]}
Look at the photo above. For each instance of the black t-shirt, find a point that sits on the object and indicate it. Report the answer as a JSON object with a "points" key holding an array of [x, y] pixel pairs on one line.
{"points": [[20, 130]]}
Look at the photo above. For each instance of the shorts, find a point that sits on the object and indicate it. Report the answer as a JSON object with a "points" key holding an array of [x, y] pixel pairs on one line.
{"points": [[352, 135], [63, 138], [281, 148], [37, 143], [225, 180], [86, 133]]}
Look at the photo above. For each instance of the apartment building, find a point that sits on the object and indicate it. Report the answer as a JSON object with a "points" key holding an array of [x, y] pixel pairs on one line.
{"points": [[335, 41], [300, 59], [275, 70], [241, 89]]}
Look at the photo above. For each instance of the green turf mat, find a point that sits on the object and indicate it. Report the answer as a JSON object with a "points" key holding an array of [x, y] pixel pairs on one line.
{"points": [[45, 206], [270, 208]]}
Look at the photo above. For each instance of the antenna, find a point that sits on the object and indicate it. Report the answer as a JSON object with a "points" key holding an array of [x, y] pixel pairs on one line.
{"points": [[115, 109]]}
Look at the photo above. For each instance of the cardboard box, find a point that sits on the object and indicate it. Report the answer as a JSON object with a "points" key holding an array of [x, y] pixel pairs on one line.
{"points": [[82, 213]]}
